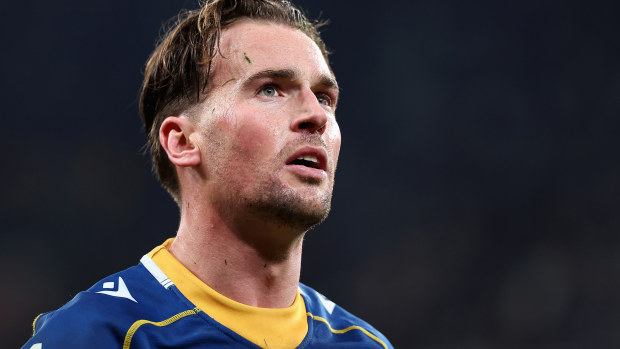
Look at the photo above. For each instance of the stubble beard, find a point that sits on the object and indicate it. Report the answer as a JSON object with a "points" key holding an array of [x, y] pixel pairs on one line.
{"points": [[271, 200], [288, 207]]}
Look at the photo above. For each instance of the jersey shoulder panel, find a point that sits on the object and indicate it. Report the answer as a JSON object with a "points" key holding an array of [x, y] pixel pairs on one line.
{"points": [[101, 316], [138, 308], [331, 325]]}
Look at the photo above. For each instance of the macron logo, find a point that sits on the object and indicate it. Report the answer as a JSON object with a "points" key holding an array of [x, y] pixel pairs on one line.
{"points": [[121, 292]]}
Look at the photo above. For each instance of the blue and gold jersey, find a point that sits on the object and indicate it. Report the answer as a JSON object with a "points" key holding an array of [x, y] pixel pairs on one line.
{"points": [[160, 304]]}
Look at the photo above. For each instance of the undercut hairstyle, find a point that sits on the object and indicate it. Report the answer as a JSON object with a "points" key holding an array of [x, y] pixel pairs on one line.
{"points": [[177, 72]]}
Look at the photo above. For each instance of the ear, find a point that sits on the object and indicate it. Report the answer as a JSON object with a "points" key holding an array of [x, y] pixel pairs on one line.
{"points": [[174, 136]]}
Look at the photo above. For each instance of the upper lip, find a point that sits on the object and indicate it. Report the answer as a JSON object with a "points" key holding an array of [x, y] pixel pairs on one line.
{"points": [[319, 153]]}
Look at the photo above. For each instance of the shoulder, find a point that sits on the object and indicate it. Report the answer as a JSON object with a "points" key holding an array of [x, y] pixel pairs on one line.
{"points": [[101, 316], [331, 323]]}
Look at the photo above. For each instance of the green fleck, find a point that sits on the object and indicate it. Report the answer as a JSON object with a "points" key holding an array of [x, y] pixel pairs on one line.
{"points": [[247, 58], [213, 111], [227, 81]]}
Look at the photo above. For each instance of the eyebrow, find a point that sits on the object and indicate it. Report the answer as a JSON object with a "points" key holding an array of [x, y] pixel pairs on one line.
{"points": [[290, 74]]}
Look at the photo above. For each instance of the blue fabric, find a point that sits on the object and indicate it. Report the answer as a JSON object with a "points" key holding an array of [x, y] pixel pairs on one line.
{"points": [[96, 320]]}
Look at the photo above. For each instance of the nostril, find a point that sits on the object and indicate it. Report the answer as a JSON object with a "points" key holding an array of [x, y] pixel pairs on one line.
{"points": [[306, 125]]}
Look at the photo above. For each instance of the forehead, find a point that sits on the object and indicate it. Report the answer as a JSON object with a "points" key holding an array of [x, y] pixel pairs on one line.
{"points": [[249, 45]]}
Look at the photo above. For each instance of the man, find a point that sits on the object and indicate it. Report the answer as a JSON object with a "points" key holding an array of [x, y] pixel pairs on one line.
{"points": [[238, 104]]}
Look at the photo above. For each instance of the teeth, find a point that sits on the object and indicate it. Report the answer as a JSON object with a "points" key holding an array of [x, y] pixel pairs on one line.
{"points": [[309, 158]]}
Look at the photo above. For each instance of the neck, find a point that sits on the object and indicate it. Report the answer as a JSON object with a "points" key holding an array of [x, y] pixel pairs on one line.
{"points": [[243, 259]]}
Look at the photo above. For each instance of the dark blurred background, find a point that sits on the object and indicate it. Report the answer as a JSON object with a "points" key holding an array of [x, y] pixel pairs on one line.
{"points": [[477, 202]]}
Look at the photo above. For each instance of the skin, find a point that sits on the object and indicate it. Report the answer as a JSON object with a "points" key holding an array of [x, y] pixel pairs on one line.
{"points": [[245, 207]]}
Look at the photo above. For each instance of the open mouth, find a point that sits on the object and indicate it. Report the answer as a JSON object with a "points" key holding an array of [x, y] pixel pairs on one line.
{"points": [[310, 158], [308, 161]]}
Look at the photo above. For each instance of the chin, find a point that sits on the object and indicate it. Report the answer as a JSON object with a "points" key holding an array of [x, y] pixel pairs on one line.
{"points": [[299, 210], [302, 218]]}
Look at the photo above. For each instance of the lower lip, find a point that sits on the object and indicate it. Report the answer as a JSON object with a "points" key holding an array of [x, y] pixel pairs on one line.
{"points": [[305, 171]]}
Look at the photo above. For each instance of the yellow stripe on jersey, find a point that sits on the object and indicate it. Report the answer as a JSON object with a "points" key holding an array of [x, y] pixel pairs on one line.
{"points": [[265, 327], [34, 323], [344, 330], [136, 325]]}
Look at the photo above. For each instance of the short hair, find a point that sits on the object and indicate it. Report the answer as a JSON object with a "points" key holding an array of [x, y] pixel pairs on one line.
{"points": [[177, 72]]}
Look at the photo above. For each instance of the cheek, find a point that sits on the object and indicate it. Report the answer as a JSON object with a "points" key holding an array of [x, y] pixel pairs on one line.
{"points": [[334, 139], [253, 141]]}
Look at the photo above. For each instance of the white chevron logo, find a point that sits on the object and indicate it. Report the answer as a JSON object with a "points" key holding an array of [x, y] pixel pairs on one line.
{"points": [[121, 292]]}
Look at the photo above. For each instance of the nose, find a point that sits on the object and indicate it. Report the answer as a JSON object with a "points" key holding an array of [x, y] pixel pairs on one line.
{"points": [[309, 115]]}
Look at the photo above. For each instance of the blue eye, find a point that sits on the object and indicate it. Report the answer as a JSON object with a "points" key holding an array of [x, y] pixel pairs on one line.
{"points": [[323, 100], [269, 91]]}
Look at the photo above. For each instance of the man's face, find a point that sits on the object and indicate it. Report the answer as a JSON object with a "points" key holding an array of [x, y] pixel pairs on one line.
{"points": [[269, 140]]}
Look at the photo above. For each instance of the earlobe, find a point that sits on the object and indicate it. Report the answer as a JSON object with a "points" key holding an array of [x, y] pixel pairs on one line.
{"points": [[174, 136]]}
